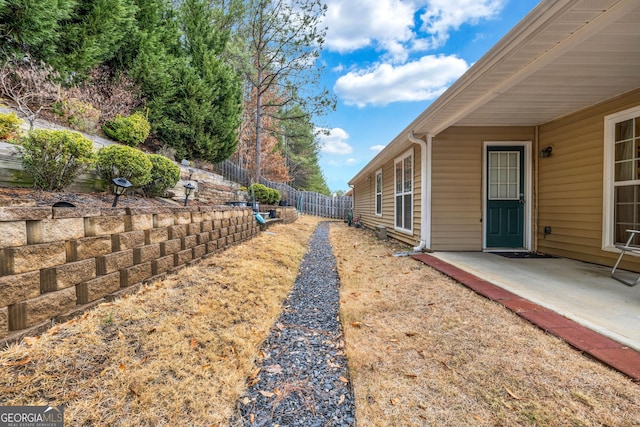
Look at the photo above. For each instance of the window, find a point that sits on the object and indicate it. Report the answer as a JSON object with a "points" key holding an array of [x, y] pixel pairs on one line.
{"points": [[404, 192], [622, 176], [379, 193]]}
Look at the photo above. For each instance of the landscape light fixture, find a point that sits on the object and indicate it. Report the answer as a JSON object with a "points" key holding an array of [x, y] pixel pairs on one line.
{"points": [[190, 173], [188, 188], [121, 185]]}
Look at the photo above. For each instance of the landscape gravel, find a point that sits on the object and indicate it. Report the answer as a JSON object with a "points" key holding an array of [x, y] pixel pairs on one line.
{"points": [[303, 377]]}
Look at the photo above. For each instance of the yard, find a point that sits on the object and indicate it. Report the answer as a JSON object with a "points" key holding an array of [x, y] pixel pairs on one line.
{"points": [[422, 349]]}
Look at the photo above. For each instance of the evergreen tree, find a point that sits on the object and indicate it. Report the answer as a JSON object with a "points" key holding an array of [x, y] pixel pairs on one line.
{"points": [[301, 151], [31, 27]]}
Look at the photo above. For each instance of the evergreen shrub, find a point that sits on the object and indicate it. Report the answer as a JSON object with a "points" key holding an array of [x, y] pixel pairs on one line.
{"points": [[54, 158], [264, 194], [121, 161], [165, 174], [131, 130], [9, 125]]}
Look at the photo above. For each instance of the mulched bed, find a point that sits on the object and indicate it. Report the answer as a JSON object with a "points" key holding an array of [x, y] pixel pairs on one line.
{"points": [[302, 378]]}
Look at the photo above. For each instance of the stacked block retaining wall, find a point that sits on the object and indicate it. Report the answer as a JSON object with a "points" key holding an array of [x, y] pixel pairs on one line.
{"points": [[57, 262]]}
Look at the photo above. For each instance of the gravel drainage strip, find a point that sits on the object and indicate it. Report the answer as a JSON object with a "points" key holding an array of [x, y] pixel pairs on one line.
{"points": [[302, 378]]}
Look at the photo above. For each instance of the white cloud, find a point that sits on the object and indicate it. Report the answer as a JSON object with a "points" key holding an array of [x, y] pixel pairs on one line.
{"points": [[420, 80], [351, 161], [377, 148], [333, 141], [355, 24], [390, 26], [442, 16]]}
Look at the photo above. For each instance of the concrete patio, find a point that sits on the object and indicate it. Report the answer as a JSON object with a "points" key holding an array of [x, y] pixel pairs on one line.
{"points": [[540, 289]]}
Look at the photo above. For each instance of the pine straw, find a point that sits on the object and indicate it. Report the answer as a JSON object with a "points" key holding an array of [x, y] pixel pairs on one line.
{"points": [[177, 353], [424, 350]]}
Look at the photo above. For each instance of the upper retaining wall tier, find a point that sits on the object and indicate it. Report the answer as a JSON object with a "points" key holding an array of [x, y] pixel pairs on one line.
{"points": [[57, 262]]}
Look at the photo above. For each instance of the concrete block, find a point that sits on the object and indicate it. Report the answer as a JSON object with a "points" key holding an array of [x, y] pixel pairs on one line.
{"points": [[183, 257], [381, 232], [203, 238], [14, 233], [170, 247], [128, 240], [189, 241], [199, 251], [177, 231], [97, 288], [156, 235], [103, 225], [214, 235], [46, 306], [222, 242], [139, 222], [194, 228], [230, 239], [163, 220], [4, 322], [115, 261], [64, 276], [212, 246], [196, 217], [217, 224], [162, 265], [61, 229], [146, 253], [207, 226], [224, 231], [136, 274], [183, 218], [24, 213], [88, 247], [19, 287], [23, 259]]}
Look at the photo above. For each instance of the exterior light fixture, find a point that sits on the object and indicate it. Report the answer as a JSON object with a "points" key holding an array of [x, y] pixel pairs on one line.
{"points": [[546, 151], [121, 185], [188, 188]]}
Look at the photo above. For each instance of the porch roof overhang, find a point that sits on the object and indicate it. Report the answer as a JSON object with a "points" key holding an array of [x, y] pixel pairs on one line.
{"points": [[564, 56]]}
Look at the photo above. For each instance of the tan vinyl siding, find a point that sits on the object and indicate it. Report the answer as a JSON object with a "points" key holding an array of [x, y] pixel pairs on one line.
{"points": [[364, 199], [570, 183], [457, 184]]}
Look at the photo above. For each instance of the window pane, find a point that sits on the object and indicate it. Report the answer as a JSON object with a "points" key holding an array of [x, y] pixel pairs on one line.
{"points": [[378, 183], [624, 130], [407, 212], [627, 210], [399, 177], [378, 204], [624, 171], [624, 150]]}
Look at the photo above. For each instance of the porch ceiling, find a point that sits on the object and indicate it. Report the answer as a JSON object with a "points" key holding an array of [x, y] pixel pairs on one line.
{"points": [[565, 56]]}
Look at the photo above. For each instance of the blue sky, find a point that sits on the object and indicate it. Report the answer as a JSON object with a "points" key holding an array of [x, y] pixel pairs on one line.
{"points": [[387, 60]]}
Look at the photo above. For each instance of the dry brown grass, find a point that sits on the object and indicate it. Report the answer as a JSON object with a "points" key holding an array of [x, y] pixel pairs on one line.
{"points": [[424, 350], [177, 353]]}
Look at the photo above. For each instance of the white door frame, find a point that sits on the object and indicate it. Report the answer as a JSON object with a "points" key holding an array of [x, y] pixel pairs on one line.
{"points": [[528, 190]]}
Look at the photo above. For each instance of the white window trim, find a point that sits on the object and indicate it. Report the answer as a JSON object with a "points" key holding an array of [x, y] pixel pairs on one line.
{"points": [[608, 179], [375, 184], [395, 194]]}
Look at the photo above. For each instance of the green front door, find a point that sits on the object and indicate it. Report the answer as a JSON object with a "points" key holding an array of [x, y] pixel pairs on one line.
{"points": [[505, 197]]}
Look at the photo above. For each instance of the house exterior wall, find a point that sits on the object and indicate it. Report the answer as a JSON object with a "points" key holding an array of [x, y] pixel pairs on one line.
{"points": [[571, 184], [456, 189], [364, 194]]}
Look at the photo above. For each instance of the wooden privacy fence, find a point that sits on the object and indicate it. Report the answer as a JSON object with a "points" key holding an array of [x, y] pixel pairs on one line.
{"points": [[306, 202]]}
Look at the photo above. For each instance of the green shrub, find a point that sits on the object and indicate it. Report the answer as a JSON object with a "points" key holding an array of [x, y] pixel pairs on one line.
{"points": [[264, 194], [54, 158], [120, 161], [78, 114], [165, 174], [9, 124], [131, 130]]}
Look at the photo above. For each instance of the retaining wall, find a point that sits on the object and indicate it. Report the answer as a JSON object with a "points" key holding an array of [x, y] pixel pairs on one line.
{"points": [[58, 262]]}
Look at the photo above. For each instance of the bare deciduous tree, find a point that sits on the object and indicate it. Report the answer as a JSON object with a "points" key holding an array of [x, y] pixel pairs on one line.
{"points": [[30, 85]]}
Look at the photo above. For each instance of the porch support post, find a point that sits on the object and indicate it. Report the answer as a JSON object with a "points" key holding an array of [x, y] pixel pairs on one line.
{"points": [[425, 191]]}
